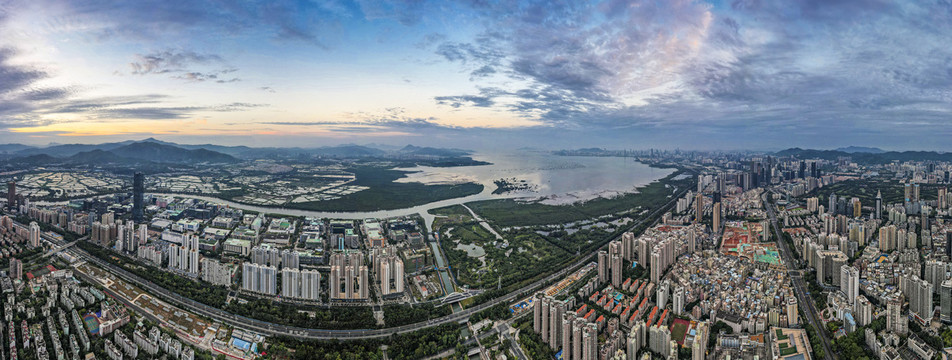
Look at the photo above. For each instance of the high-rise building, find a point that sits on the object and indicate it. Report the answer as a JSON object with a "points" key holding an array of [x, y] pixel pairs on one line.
{"points": [[920, 299], [556, 310], [948, 244], [699, 207], [300, 284], [568, 318], [546, 317], [793, 315], [215, 272], [863, 310], [936, 272], [655, 266], [590, 342], [896, 321], [832, 208], [888, 238], [389, 273], [616, 271], [629, 245], [945, 301], [143, 236], [943, 199], [138, 192], [259, 278], [699, 346], [348, 277], [677, 300], [16, 268], [537, 313], [692, 241], [849, 282], [578, 331], [857, 232], [34, 234], [659, 338], [12, 195], [662, 293], [636, 339], [603, 264], [857, 208], [717, 218], [879, 204], [184, 258]]}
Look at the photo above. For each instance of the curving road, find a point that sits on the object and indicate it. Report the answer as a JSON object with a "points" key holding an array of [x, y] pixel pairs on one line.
{"points": [[269, 328]]}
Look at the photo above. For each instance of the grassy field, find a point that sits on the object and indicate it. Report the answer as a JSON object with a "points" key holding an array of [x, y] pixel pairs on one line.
{"points": [[450, 215], [528, 255], [505, 213]]}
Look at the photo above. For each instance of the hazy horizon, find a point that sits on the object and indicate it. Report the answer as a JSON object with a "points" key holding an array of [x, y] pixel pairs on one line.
{"points": [[744, 74]]}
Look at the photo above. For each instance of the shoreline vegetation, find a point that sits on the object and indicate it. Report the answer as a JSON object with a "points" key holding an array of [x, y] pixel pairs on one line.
{"points": [[512, 212], [508, 185]]}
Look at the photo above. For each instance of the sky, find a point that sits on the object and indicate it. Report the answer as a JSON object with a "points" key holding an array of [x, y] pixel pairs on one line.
{"points": [[480, 74]]}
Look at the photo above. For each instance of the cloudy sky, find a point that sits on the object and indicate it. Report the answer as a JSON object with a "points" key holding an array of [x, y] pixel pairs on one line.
{"points": [[743, 74]]}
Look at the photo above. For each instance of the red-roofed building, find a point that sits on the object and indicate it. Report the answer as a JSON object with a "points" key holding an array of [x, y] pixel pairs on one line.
{"points": [[581, 310], [590, 316], [644, 302], [617, 309], [653, 315], [600, 322], [633, 318], [664, 316]]}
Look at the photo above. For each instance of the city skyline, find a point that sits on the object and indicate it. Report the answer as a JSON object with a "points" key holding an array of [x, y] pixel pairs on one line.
{"points": [[617, 74]]}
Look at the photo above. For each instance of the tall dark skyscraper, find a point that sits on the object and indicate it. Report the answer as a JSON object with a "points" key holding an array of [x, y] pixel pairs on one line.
{"points": [[948, 244], [138, 191], [879, 204], [11, 194]]}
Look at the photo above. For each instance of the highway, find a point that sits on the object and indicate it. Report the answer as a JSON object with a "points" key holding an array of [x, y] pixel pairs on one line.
{"points": [[806, 303], [59, 248], [269, 328]]}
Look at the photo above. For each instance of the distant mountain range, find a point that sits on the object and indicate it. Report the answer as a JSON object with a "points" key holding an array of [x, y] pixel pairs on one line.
{"points": [[116, 153], [866, 157], [861, 149], [158, 151]]}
